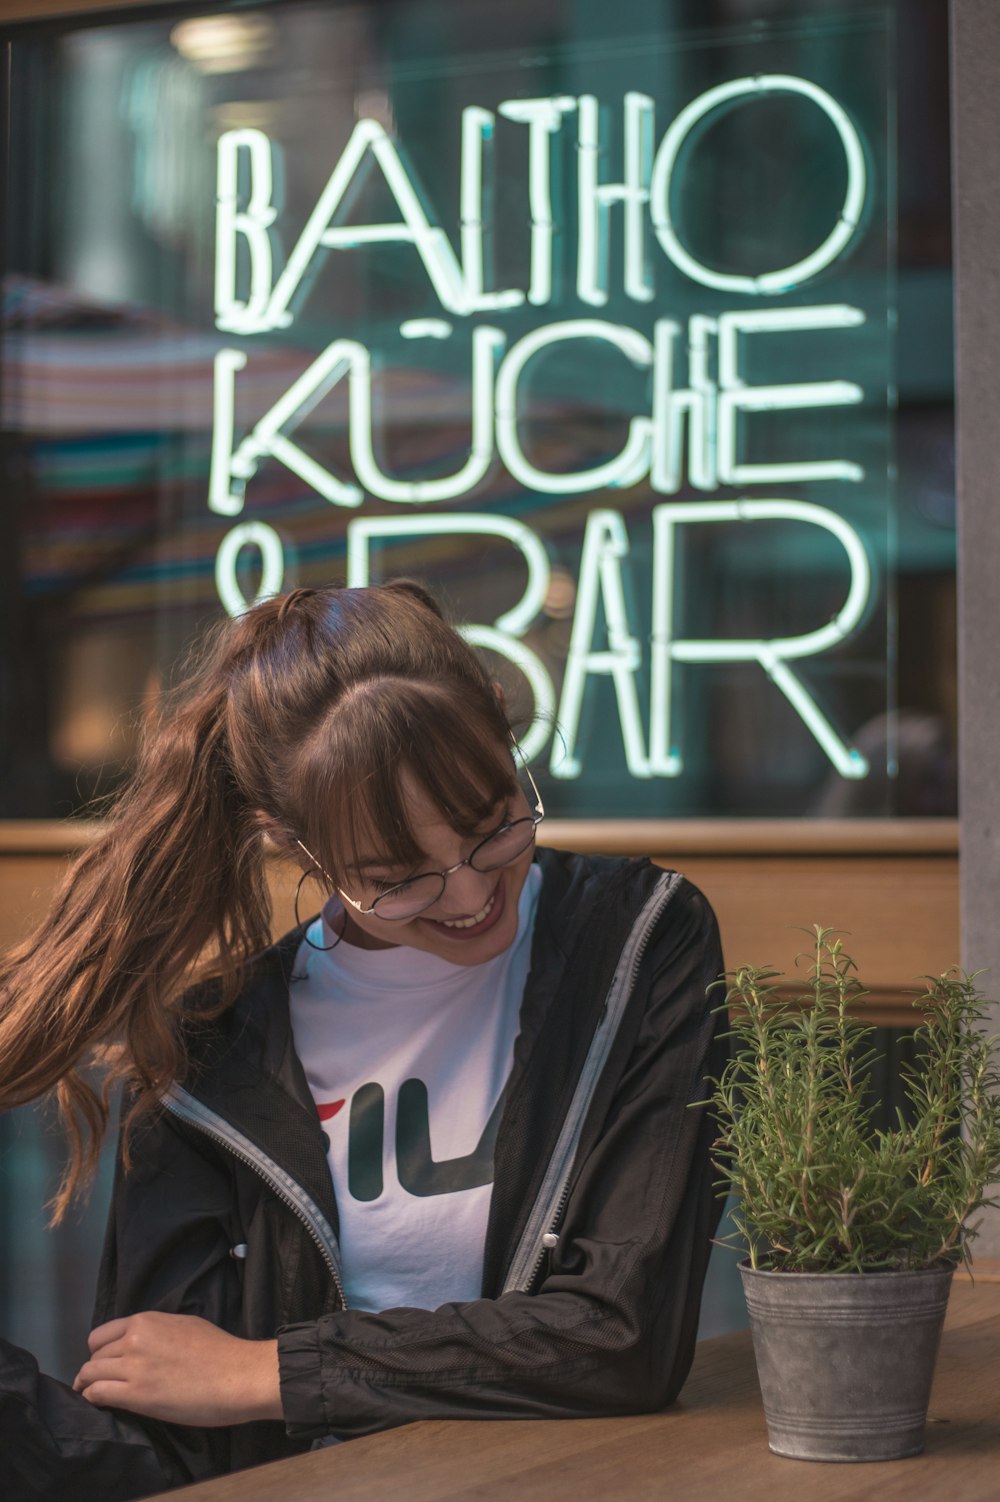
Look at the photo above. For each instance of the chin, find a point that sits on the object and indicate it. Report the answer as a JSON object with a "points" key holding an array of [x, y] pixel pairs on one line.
{"points": [[478, 952]]}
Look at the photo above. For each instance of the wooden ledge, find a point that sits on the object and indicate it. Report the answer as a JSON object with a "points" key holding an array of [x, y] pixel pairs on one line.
{"points": [[45, 10], [984, 1269], [666, 838], [753, 837]]}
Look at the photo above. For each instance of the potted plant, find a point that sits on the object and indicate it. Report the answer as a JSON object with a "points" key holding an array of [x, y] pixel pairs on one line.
{"points": [[853, 1232]]}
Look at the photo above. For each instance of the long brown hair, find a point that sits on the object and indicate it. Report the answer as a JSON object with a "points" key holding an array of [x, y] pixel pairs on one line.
{"points": [[296, 718]]}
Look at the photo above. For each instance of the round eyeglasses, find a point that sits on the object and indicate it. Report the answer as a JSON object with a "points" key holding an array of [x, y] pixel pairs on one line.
{"points": [[407, 899]]}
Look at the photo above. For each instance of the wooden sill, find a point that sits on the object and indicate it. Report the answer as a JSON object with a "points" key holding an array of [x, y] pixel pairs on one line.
{"points": [[984, 1269], [42, 10], [891, 887], [666, 837]]}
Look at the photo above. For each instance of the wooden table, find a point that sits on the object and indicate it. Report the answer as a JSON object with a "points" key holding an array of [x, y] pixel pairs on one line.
{"points": [[710, 1447]]}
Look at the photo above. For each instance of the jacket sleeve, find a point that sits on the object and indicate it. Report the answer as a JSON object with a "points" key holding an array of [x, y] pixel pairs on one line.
{"points": [[611, 1326], [55, 1445]]}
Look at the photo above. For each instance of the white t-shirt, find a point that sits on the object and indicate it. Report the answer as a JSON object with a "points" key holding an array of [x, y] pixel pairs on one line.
{"points": [[406, 1056]]}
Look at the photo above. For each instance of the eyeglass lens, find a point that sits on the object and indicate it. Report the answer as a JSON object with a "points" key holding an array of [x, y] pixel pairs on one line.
{"points": [[499, 849]]}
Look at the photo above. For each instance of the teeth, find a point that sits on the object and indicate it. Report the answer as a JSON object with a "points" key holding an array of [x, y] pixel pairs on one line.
{"points": [[469, 922]]}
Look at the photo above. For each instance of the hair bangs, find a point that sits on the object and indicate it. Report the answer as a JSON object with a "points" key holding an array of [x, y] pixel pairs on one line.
{"points": [[455, 746]]}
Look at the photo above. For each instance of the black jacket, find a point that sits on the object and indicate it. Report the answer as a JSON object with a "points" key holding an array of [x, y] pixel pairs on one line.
{"points": [[598, 1151]]}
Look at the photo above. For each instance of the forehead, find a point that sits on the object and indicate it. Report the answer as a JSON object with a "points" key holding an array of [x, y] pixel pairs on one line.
{"points": [[429, 826], [417, 827]]}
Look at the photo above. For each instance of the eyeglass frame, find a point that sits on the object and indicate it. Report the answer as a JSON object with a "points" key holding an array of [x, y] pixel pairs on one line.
{"points": [[369, 912]]}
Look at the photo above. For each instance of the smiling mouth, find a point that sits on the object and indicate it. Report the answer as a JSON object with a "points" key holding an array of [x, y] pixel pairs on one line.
{"points": [[477, 923], [472, 922]]}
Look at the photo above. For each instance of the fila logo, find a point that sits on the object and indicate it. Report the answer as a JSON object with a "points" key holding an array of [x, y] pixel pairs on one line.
{"points": [[419, 1173]]}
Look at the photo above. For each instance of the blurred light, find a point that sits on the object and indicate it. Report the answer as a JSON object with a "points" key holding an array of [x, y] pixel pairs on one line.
{"points": [[375, 104], [561, 595], [223, 44], [247, 114]]}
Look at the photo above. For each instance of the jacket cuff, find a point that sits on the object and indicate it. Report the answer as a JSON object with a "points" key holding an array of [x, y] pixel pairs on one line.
{"points": [[300, 1369]]}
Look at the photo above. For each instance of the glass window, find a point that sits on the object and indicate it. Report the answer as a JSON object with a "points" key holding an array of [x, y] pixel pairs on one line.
{"points": [[629, 333]]}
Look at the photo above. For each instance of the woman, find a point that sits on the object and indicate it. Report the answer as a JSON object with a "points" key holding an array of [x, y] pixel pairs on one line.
{"points": [[433, 1156]]}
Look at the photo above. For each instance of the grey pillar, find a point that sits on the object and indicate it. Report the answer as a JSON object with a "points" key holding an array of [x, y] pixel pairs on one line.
{"points": [[975, 26]]}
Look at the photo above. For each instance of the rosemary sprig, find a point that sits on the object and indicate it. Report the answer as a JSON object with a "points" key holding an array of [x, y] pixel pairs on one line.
{"points": [[821, 1190]]}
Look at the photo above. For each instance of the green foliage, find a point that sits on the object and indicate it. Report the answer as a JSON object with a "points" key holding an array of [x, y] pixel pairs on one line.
{"points": [[820, 1189]]}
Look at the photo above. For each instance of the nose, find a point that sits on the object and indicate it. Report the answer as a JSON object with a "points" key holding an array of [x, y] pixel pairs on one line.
{"points": [[465, 892]]}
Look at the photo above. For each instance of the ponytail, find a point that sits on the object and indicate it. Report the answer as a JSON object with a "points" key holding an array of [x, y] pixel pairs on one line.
{"points": [[294, 706], [176, 879]]}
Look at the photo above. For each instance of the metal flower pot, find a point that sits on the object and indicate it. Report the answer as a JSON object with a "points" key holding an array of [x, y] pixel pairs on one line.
{"points": [[845, 1360]]}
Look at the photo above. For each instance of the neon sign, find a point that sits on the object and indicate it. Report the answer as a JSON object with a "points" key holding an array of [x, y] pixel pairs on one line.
{"points": [[692, 430]]}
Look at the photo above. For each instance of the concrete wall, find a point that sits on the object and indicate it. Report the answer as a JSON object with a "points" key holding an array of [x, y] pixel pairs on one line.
{"points": [[976, 155]]}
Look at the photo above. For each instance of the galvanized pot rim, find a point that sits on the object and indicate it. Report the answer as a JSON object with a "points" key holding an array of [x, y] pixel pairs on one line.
{"points": [[934, 1270]]}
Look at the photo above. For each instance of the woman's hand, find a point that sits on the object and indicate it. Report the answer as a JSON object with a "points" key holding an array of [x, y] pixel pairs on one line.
{"points": [[181, 1369]]}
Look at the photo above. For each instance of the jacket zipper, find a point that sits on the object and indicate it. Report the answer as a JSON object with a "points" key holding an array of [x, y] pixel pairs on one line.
{"points": [[186, 1107], [553, 1194]]}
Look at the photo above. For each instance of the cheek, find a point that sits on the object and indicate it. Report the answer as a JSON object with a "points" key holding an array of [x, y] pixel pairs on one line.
{"points": [[371, 933], [519, 870], [513, 879]]}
